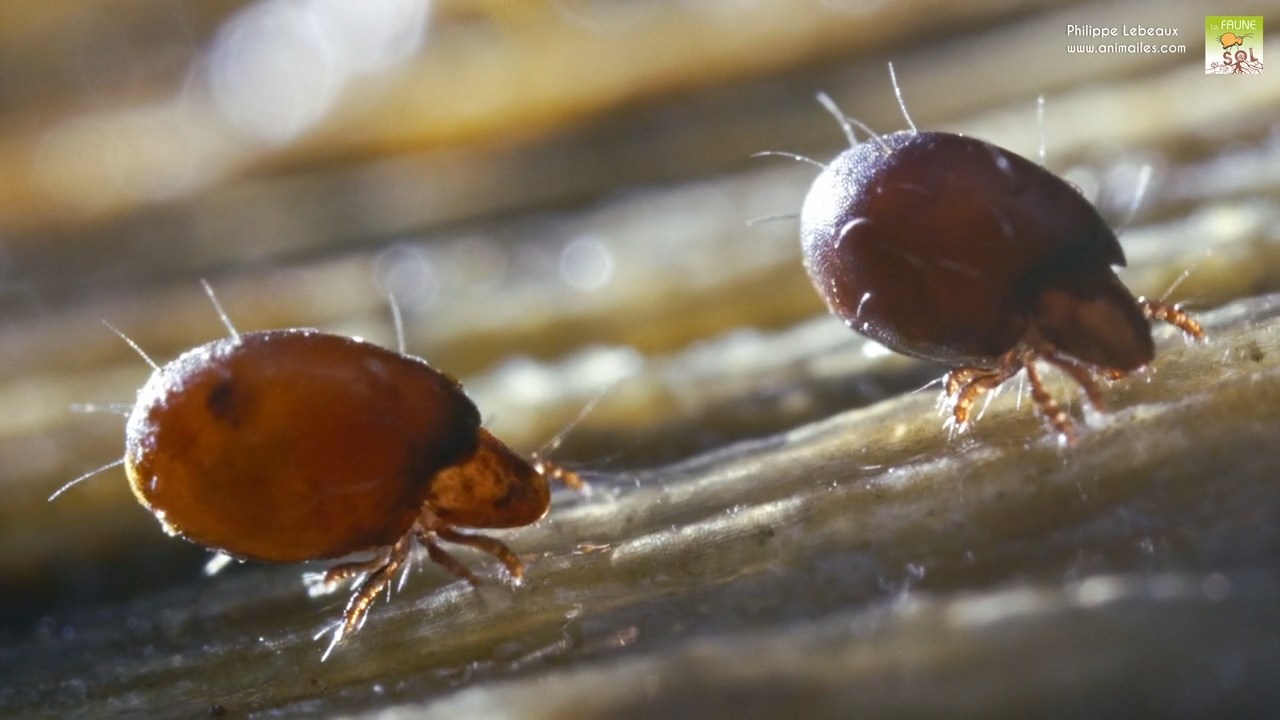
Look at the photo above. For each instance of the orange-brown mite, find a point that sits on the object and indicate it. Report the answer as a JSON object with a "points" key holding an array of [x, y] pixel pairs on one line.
{"points": [[296, 445]]}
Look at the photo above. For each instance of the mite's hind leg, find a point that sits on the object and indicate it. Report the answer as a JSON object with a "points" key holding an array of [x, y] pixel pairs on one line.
{"points": [[329, 580], [965, 385], [960, 377], [379, 577]]}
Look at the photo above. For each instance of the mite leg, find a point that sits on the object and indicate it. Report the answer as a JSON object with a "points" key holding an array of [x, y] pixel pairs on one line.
{"points": [[1053, 413], [560, 474], [485, 544], [966, 385], [1156, 310], [960, 377], [444, 559], [1083, 376], [1113, 374], [380, 576], [327, 581]]}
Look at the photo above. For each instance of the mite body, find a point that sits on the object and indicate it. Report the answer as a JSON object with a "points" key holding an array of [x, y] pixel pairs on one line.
{"points": [[296, 445], [952, 249]]}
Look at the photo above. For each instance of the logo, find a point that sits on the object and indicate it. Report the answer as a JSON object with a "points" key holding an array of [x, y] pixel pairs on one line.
{"points": [[1233, 45]]}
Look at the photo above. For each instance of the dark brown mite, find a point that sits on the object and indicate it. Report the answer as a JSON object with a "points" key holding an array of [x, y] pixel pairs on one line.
{"points": [[296, 445], [952, 249]]}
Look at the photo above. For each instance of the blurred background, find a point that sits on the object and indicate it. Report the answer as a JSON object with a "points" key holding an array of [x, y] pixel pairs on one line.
{"points": [[562, 199]]}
